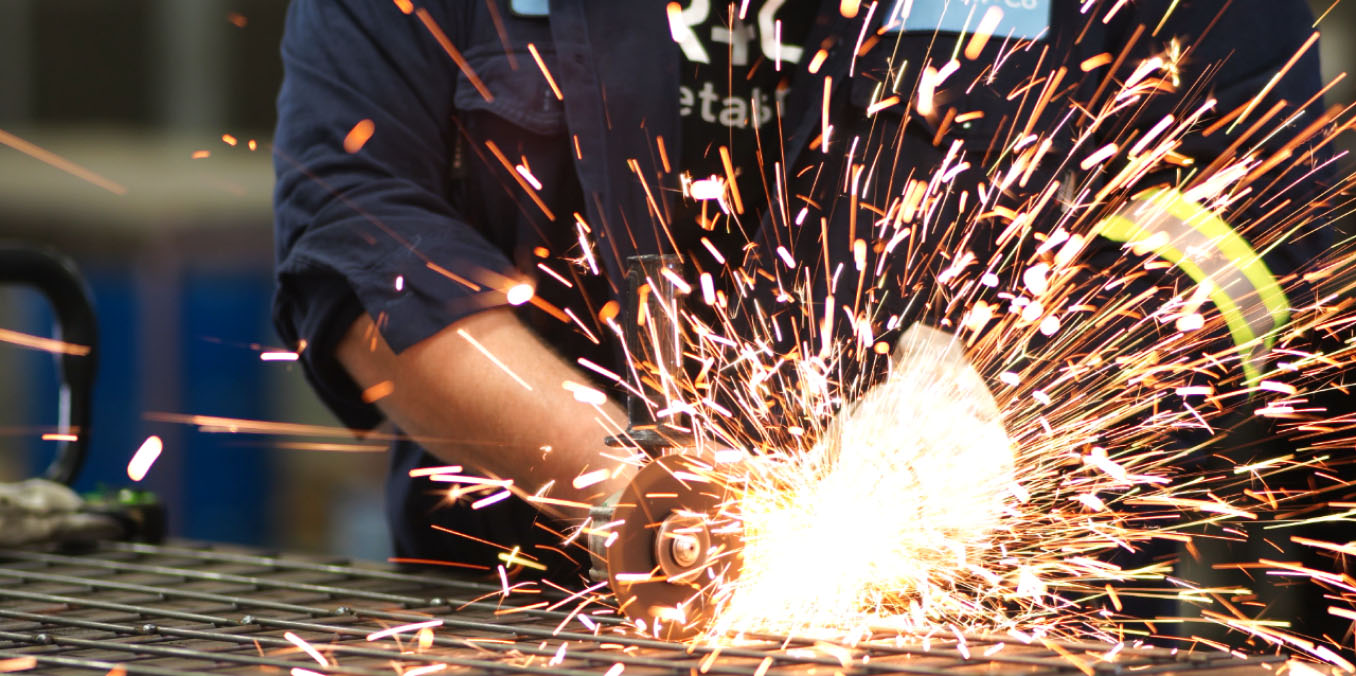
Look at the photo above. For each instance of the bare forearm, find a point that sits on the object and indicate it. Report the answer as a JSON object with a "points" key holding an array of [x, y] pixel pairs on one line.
{"points": [[468, 410]]}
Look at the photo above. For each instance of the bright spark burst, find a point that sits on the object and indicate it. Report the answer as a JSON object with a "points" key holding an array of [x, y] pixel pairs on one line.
{"points": [[899, 498], [922, 505], [1001, 475]]}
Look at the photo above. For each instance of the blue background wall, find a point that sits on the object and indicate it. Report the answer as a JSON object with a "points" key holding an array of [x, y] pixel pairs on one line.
{"points": [[219, 487]]}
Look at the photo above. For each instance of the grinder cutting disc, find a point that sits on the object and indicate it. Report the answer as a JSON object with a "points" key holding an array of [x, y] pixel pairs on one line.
{"points": [[677, 541]]}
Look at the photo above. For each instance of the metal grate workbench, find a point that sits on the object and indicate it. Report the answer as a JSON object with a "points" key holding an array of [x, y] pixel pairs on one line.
{"points": [[182, 609]]}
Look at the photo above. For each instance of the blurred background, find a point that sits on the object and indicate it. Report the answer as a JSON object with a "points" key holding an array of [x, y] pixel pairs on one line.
{"points": [[180, 265], [163, 98]]}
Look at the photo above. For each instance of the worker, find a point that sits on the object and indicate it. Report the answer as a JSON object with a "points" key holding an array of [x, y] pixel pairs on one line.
{"points": [[434, 160]]}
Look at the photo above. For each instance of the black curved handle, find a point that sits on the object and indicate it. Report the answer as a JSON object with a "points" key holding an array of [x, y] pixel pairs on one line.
{"points": [[58, 279]]}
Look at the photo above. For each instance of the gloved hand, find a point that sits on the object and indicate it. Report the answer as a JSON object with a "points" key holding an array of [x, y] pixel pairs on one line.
{"points": [[38, 510]]}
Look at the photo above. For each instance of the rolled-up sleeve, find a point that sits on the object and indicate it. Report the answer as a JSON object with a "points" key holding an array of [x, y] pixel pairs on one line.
{"points": [[367, 227]]}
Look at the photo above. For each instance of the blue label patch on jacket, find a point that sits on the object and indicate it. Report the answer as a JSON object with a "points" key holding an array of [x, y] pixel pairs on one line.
{"points": [[1023, 19], [530, 9]]}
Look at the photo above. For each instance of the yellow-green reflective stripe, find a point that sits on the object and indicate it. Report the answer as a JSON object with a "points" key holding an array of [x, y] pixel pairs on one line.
{"points": [[1203, 245], [1121, 229], [1234, 248]]}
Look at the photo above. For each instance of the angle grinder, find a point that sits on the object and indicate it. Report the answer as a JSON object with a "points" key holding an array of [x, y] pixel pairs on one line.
{"points": [[667, 540], [672, 541]]}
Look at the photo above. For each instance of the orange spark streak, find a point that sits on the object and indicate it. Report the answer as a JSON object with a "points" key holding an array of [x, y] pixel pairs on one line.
{"points": [[306, 647], [967, 117], [519, 294], [59, 162], [1095, 62], [44, 344], [379, 391], [451, 50], [818, 60], [413, 626], [517, 558], [491, 499], [591, 478], [472, 480], [1271, 84], [430, 471], [1202, 505], [435, 562], [881, 105], [337, 448], [1104, 153], [18, 664], [542, 65], [425, 670], [60, 437], [731, 182], [358, 136], [453, 276], [472, 538], [488, 355], [541, 499], [1348, 549], [824, 114], [211, 423], [508, 166], [144, 457], [987, 25]]}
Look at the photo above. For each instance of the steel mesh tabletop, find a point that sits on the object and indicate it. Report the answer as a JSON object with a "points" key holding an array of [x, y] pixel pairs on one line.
{"points": [[188, 609]]}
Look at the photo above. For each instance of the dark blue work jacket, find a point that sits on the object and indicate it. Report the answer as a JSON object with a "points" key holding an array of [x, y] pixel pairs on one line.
{"points": [[426, 201]]}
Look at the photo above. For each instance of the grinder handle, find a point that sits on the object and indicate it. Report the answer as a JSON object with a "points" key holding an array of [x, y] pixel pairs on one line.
{"points": [[57, 278]]}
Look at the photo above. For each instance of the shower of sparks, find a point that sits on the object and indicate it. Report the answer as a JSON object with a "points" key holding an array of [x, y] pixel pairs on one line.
{"points": [[1073, 413], [927, 453], [888, 507]]}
